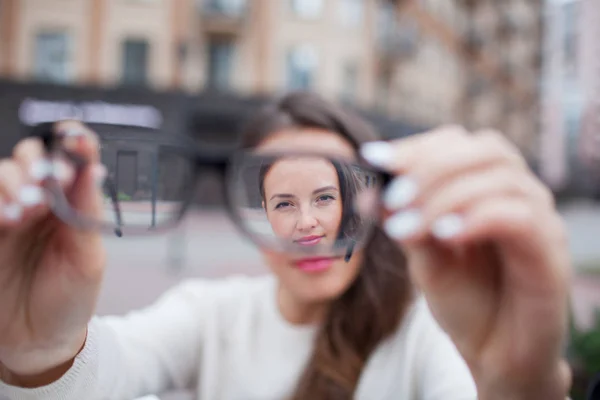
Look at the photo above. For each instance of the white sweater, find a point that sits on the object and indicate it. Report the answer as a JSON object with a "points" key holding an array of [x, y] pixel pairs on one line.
{"points": [[226, 340]]}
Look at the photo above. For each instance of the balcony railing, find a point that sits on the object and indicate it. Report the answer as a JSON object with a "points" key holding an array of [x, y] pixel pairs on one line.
{"points": [[475, 88], [397, 39], [223, 16], [474, 40], [507, 25], [469, 4], [230, 8]]}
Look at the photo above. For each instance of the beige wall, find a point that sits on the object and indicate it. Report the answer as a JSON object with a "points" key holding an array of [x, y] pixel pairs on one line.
{"points": [[35, 16], [334, 44], [427, 88], [150, 20]]}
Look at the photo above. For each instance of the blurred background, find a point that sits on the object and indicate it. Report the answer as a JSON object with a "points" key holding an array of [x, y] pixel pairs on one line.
{"points": [[155, 69]]}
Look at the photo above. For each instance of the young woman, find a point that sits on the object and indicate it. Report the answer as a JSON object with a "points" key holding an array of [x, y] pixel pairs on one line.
{"points": [[466, 223]]}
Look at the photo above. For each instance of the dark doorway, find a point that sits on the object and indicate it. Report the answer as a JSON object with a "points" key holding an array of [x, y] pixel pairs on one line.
{"points": [[127, 174]]}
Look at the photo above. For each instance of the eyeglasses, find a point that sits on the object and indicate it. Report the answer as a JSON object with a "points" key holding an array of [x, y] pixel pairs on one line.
{"points": [[296, 202]]}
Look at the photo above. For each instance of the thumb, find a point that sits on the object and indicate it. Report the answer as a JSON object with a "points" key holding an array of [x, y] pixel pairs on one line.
{"points": [[430, 265], [84, 193]]}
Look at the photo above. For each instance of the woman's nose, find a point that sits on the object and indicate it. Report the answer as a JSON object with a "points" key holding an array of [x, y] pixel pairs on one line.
{"points": [[307, 221]]}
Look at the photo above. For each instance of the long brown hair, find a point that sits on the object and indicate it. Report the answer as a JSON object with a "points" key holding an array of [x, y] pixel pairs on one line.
{"points": [[373, 306]]}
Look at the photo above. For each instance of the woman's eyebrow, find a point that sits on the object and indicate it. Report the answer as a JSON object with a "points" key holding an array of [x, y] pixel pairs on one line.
{"points": [[282, 195], [325, 189], [290, 196]]}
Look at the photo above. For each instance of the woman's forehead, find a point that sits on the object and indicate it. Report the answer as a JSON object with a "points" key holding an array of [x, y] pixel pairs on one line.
{"points": [[308, 140], [297, 171]]}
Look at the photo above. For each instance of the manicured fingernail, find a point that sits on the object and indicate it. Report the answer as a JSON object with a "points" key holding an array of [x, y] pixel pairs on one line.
{"points": [[448, 226], [13, 212], [60, 170], [73, 132], [401, 192], [379, 154], [40, 169], [31, 196], [100, 173], [403, 224]]}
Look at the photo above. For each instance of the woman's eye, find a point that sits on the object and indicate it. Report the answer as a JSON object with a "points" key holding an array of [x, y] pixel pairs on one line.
{"points": [[325, 198], [282, 205]]}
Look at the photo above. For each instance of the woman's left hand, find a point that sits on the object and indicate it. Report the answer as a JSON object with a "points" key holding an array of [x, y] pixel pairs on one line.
{"points": [[488, 249]]}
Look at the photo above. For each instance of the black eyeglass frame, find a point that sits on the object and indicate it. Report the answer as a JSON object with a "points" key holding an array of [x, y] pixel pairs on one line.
{"points": [[222, 160]]}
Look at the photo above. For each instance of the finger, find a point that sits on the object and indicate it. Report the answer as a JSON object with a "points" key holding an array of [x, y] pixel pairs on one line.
{"points": [[466, 212], [80, 139], [517, 224], [398, 155], [442, 165], [37, 165], [31, 156], [455, 197], [491, 217], [11, 182], [500, 218], [84, 195]]}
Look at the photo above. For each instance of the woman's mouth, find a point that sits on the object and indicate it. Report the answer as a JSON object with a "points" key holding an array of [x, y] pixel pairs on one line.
{"points": [[309, 240], [315, 264]]}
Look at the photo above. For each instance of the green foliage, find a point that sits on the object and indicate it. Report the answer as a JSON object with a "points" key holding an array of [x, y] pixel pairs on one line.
{"points": [[584, 356], [123, 197]]}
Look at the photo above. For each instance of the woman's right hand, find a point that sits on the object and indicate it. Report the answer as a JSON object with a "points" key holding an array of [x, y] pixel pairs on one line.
{"points": [[50, 273]]}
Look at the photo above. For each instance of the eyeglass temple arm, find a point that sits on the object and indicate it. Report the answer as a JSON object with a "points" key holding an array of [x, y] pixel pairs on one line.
{"points": [[112, 191], [52, 145], [109, 184]]}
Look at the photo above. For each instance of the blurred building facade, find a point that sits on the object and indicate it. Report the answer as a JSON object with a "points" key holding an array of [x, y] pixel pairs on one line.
{"points": [[570, 144], [423, 61], [588, 141]]}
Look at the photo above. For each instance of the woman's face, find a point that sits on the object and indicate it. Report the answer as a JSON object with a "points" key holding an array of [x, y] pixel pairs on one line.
{"points": [[303, 205], [302, 201]]}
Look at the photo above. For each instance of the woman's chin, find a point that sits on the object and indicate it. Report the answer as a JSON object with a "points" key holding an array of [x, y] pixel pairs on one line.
{"points": [[319, 285]]}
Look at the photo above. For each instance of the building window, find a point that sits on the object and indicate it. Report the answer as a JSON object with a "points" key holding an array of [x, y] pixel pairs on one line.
{"points": [[351, 12], [220, 63], [135, 62], [52, 57], [570, 39], [309, 9], [384, 89], [302, 64], [228, 7], [349, 82]]}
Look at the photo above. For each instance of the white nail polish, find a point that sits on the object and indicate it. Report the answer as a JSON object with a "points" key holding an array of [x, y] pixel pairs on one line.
{"points": [[40, 169], [447, 226], [31, 196], [100, 173], [379, 154], [74, 132], [400, 193], [13, 212], [60, 170], [403, 224]]}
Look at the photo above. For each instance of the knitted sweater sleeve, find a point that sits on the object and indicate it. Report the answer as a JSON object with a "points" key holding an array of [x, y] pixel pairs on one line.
{"points": [[144, 352]]}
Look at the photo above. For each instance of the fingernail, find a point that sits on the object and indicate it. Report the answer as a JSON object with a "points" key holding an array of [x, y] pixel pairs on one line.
{"points": [[73, 132], [40, 169], [60, 170], [13, 212], [379, 154], [31, 196], [401, 192], [403, 224], [448, 226], [100, 173]]}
